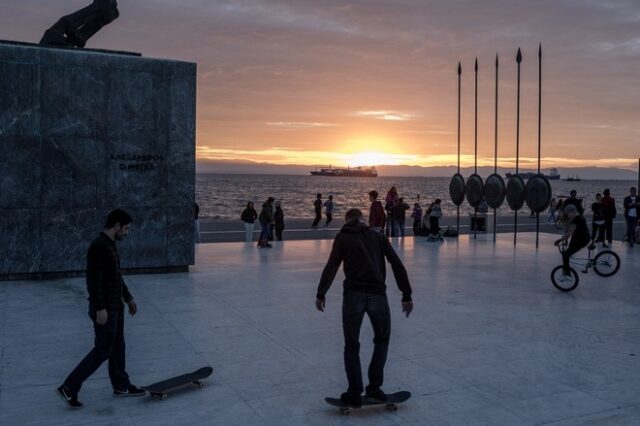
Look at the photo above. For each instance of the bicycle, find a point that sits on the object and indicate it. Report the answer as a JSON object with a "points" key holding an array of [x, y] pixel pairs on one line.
{"points": [[606, 263]]}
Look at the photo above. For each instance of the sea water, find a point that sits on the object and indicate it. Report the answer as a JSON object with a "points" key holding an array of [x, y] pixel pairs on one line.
{"points": [[224, 196]]}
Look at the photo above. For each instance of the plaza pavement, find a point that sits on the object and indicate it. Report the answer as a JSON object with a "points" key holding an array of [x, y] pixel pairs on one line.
{"points": [[490, 342]]}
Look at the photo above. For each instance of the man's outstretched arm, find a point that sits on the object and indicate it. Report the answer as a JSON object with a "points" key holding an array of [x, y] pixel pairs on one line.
{"points": [[401, 276]]}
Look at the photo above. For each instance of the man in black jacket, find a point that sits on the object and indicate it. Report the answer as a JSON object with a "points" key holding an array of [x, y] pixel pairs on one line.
{"points": [[363, 252], [107, 291], [631, 205]]}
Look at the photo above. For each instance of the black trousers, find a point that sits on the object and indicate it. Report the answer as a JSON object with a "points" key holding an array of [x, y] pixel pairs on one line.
{"points": [[434, 225], [108, 345], [573, 248], [608, 230], [279, 230], [317, 219], [329, 219], [354, 306], [597, 232]]}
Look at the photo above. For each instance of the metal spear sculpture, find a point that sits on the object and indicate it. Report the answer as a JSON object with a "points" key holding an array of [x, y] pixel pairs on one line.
{"points": [[515, 184], [475, 186], [539, 131], [457, 185], [495, 153]]}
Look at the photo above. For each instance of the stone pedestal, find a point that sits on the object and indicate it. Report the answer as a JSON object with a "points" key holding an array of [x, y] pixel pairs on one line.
{"points": [[81, 133]]}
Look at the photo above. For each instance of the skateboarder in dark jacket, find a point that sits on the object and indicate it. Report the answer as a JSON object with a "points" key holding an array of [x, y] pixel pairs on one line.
{"points": [[107, 291], [363, 252]]}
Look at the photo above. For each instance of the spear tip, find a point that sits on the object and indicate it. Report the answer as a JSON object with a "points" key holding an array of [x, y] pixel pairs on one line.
{"points": [[476, 66], [540, 50], [496, 60], [519, 56], [459, 68]]}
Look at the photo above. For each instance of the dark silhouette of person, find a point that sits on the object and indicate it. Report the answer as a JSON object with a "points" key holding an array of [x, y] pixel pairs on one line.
{"points": [[77, 28]]}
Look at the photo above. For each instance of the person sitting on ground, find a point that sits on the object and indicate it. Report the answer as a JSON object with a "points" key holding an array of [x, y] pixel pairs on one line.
{"points": [[363, 252], [577, 233]]}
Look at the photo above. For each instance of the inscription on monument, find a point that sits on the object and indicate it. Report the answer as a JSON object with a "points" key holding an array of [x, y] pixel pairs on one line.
{"points": [[137, 162]]}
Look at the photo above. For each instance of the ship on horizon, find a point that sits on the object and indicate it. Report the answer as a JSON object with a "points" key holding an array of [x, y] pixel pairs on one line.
{"points": [[361, 171], [553, 175]]}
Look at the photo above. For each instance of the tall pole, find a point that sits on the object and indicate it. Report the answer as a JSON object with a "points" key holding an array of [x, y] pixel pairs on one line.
{"points": [[539, 131], [475, 152], [495, 154], [459, 97], [515, 214]]}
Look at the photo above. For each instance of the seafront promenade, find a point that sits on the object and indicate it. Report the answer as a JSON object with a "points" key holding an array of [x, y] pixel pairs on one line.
{"points": [[216, 230], [490, 342]]}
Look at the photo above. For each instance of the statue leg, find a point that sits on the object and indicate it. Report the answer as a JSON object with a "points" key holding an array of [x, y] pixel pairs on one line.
{"points": [[89, 29]]}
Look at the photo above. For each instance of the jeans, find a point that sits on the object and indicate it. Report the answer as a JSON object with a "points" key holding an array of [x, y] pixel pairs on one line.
{"points": [[329, 219], [398, 229], [248, 231], [354, 306], [632, 222], [196, 231], [264, 233], [573, 248], [108, 345]]}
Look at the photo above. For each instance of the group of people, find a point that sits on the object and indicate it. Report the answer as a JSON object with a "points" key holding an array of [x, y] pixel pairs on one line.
{"points": [[271, 218], [390, 218], [328, 211]]}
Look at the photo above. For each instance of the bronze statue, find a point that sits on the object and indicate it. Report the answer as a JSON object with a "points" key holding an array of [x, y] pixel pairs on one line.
{"points": [[75, 29]]}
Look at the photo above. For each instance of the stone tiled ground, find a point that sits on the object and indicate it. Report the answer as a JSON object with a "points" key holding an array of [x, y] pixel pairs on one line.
{"points": [[490, 342]]}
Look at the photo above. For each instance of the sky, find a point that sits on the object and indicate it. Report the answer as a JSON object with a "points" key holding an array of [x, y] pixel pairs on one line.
{"points": [[319, 82]]}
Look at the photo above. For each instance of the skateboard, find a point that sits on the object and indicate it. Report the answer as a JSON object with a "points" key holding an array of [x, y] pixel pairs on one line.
{"points": [[391, 404], [161, 389]]}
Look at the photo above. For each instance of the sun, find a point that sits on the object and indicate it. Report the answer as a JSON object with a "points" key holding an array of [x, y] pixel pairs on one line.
{"points": [[368, 159]]}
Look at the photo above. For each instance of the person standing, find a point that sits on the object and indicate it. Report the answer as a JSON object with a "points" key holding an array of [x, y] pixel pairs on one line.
{"points": [[196, 223], [317, 206], [377, 218], [631, 206], [435, 213], [390, 200], [610, 213], [107, 295], [328, 210], [278, 218], [266, 219], [573, 200], [398, 212], [249, 216], [363, 252], [416, 214], [597, 221], [552, 210]]}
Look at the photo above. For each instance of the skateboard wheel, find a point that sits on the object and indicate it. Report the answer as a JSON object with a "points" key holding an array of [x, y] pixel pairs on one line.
{"points": [[164, 397], [391, 407]]}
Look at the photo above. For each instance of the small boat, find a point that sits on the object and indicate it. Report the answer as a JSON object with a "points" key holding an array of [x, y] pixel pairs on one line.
{"points": [[362, 171], [573, 179]]}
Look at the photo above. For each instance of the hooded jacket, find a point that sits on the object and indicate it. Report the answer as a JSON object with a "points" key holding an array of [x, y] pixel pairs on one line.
{"points": [[363, 252]]}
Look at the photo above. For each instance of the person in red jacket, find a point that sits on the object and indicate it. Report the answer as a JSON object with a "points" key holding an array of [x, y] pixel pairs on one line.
{"points": [[377, 218]]}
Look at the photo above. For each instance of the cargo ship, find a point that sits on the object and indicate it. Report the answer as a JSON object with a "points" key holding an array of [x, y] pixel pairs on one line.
{"points": [[362, 171], [553, 175]]}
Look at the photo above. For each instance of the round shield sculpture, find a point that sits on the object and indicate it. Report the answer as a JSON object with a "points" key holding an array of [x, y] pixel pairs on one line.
{"points": [[456, 189], [515, 192], [495, 191], [474, 190], [538, 193]]}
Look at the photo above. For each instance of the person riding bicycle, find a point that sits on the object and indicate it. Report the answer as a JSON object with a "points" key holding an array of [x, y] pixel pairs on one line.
{"points": [[578, 231]]}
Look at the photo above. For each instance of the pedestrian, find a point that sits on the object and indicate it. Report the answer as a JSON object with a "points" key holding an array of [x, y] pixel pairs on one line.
{"points": [[435, 213], [107, 292], [377, 218], [196, 223], [573, 200], [631, 205], [363, 252], [317, 207], [480, 215], [278, 219], [266, 219], [249, 216], [390, 200], [597, 221], [552, 210], [610, 213], [416, 214], [398, 212], [328, 211]]}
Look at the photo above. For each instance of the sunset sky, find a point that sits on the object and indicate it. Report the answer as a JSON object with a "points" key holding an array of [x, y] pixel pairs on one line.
{"points": [[318, 82]]}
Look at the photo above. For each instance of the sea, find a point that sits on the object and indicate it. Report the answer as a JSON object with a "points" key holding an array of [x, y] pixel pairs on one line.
{"points": [[224, 196]]}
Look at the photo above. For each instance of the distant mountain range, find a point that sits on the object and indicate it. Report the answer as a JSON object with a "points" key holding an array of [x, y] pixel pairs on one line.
{"points": [[233, 167]]}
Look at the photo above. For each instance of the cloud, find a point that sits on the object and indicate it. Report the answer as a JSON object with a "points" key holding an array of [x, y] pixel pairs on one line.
{"points": [[387, 115], [294, 125]]}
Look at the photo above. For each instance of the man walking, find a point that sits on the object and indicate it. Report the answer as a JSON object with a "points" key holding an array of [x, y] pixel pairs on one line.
{"points": [[317, 206], [631, 205], [328, 210], [377, 218], [107, 291], [363, 252], [610, 213]]}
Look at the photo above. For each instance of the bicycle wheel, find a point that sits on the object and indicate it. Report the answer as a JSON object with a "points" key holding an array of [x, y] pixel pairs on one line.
{"points": [[564, 282], [606, 263]]}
